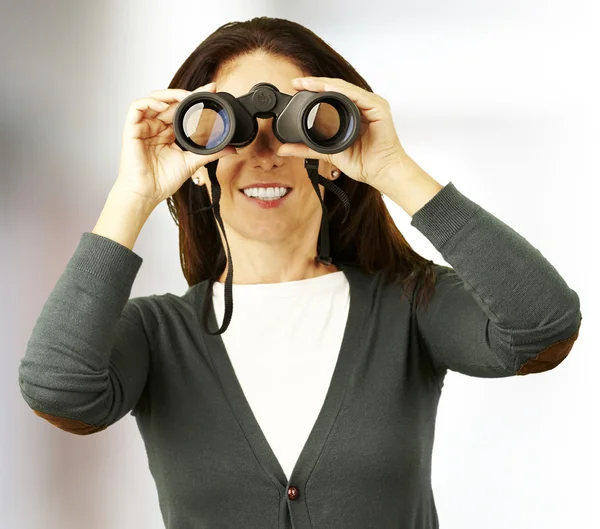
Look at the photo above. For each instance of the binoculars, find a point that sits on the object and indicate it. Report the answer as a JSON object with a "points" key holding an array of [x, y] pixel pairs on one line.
{"points": [[206, 122]]}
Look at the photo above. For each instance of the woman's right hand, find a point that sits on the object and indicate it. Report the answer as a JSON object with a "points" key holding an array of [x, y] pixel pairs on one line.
{"points": [[152, 165]]}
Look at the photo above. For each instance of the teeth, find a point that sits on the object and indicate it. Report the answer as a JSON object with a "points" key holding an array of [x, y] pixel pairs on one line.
{"points": [[266, 193]]}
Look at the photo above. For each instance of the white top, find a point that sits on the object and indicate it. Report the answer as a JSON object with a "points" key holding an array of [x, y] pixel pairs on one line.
{"points": [[284, 339]]}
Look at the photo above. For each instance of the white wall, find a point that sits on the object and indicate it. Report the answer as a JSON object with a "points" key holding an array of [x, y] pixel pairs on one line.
{"points": [[498, 98]]}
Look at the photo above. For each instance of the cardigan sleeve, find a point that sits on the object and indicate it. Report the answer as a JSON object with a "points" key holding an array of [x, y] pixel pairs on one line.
{"points": [[500, 308], [87, 359]]}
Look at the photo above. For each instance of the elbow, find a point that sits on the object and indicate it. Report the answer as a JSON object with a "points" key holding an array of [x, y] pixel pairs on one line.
{"points": [[70, 425], [551, 356], [39, 397]]}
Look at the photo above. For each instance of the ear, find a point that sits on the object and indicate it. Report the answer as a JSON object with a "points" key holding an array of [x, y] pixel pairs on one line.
{"points": [[200, 177], [325, 169]]}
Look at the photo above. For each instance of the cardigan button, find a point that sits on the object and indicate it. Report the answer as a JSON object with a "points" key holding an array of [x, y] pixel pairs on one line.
{"points": [[292, 493]]}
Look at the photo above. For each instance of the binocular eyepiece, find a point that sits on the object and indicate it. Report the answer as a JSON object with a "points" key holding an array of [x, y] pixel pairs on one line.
{"points": [[206, 122]]}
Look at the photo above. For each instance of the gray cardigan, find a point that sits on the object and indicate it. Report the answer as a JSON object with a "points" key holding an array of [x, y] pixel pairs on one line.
{"points": [[95, 355]]}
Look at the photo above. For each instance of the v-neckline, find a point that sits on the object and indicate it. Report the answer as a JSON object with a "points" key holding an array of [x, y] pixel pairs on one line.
{"points": [[315, 442]]}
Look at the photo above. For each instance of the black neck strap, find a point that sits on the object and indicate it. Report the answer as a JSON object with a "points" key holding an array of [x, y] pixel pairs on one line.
{"points": [[312, 167]]}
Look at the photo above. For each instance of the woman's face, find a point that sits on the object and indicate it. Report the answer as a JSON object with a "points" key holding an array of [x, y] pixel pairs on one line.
{"points": [[299, 215]]}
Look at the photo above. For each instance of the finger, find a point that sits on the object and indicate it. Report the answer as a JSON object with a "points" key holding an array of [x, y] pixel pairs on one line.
{"points": [[145, 107], [173, 95], [154, 135], [198, 160], [210, 87], [371, 105], [177, 94], [301, 150]]}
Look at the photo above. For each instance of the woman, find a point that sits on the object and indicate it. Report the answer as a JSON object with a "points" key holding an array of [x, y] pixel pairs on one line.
{"points": [[343, 364]]}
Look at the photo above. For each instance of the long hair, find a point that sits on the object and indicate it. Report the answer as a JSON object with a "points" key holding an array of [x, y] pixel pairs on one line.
{"points": [[369, 239]]}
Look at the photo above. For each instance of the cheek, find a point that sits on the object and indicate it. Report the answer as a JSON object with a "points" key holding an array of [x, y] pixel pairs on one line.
{"points": [[224, 177], [227, 169]]}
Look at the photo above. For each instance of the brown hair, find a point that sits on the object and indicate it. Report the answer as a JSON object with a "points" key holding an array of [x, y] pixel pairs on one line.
{"points": [[369, 239]]}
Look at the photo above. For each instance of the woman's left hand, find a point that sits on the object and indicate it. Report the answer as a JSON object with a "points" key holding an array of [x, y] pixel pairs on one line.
{"points": [[375, 150]]}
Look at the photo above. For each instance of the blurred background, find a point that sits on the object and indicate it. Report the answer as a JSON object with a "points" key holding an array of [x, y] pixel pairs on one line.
{"points": [[497, 97]]}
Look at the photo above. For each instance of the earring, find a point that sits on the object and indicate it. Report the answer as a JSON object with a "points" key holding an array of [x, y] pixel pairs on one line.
{"points": [[335, 173], [196, 180]]}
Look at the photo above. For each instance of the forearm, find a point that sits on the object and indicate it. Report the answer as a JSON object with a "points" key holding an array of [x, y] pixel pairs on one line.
{"points": [[408, 185], [122, 218]]}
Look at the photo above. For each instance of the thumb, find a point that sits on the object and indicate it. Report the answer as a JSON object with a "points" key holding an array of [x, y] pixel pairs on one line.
{"points": [[195, 161], [300, 150]]}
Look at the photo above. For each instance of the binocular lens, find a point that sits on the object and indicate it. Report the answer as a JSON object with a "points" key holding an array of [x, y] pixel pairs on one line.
{"points": [[326, 121], [206, 124]]}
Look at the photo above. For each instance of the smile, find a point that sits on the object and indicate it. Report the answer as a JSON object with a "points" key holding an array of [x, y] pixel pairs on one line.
{"points": [[267, 202]]}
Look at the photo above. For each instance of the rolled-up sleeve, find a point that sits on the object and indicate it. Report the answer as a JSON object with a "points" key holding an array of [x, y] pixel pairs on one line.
{"points": [[500, 308]]}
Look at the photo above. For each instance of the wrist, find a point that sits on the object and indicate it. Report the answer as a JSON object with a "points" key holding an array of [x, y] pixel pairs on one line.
{"points": [[400, 167], [131, 200], [408, 185]]}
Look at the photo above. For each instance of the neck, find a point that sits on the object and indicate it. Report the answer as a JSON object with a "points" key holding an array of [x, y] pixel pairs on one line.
{"points": [[249, 276]]}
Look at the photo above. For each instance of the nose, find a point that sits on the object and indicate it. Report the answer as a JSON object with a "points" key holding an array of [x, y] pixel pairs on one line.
{"points": [[264, 147]]}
